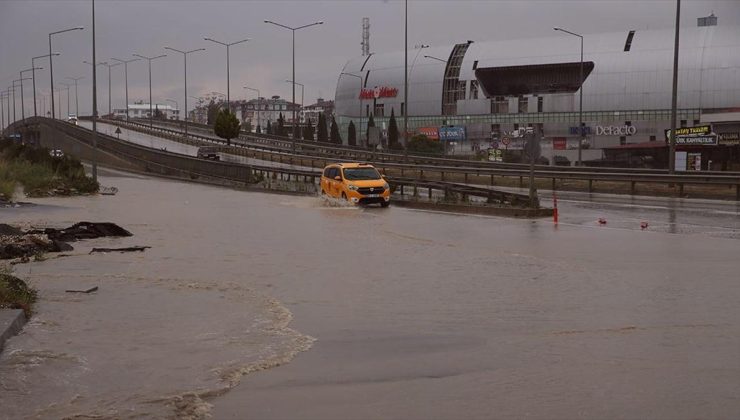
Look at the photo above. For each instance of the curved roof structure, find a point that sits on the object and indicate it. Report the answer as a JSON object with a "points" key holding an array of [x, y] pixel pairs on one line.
{"points": [[634, 78]]}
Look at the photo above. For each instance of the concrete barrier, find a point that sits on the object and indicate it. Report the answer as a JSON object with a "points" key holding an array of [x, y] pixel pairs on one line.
{"points": [[11, 322]]}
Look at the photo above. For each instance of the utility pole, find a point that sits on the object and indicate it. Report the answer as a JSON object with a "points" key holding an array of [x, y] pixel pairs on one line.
{"points": [[674, 96]]}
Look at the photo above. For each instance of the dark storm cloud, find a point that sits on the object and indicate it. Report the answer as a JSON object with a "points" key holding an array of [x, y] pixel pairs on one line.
{"points": [[145, 27]]}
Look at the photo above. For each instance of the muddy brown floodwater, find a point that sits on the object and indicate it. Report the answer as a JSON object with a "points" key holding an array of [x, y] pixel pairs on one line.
{"points": [[395, 313]]}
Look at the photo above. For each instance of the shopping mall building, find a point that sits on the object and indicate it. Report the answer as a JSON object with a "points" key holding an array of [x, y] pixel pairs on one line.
{"points": [[477, 94]]}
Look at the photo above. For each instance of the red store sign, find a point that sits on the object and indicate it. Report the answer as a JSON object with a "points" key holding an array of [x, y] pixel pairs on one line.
{"points": [[379, 92], [431, 132]]}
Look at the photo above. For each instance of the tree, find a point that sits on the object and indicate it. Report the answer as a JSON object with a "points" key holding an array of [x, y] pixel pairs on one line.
{"points": [[296, 130], [393, 132], [158, 115], [212, 112], [247, 127], [259, 129], [269, 127], [370, 123], [281, 125], [227, 125], [321, 134], [308, 131], [335, 136], [351, 134]]}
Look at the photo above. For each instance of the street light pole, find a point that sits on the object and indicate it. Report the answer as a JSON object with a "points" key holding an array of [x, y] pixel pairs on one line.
{"points": [[259, 128], [149, 59], [185, 59], [406, 76], [51, 63], [581, 130], [321, 22], [299, 117], [67, 86], [228, 84], [360, 79], [33, 76], [14, 86], [109, 83], [23, 106], [77, 102], [674, 96], [125, 76]]}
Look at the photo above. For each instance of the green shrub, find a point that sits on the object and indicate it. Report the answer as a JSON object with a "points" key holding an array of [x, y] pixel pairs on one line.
{"points": [[423, 144], [16, 294]]}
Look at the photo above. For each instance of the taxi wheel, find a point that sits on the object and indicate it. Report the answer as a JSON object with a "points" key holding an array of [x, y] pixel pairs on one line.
{"points": [[385, 204], [344, 197]]}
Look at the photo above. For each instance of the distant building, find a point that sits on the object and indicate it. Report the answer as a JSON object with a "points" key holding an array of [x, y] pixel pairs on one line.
{"points": [[312, 111], [141, 110], [259, 111]]}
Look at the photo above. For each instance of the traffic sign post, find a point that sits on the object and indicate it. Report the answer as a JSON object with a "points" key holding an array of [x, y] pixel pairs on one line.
{"points": [[118, 132]]}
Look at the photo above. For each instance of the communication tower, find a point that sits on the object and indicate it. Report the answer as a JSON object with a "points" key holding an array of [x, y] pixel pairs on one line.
{"points": [[365, 36]]}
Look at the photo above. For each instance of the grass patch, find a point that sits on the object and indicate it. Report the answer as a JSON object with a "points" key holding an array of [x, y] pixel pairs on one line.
{"points": [[40, 173], [7, 187], [16, 294]]}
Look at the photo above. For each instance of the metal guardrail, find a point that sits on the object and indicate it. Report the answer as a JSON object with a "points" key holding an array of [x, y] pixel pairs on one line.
{"points": [[366, 155], [730, 179], [168, 163]]}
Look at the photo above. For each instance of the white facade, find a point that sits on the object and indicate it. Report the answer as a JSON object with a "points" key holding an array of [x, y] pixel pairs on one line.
{"points": [[142, 111], [626, 87]]}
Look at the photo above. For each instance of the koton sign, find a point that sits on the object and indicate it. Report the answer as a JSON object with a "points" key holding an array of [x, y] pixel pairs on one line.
{"points": [[379, 92], [616, 130], [431, 132]]}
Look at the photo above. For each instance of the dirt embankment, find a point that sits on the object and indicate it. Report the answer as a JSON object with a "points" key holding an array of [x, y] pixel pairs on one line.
{"points": [[17, 244]]}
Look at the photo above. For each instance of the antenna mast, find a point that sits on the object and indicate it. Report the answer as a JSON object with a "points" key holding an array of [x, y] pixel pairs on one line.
{"points": [[365, 36]]}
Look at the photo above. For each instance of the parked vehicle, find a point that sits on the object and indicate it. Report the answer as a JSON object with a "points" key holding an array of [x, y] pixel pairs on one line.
{"points": [[358, 183], [56, 153], [72, 118]]}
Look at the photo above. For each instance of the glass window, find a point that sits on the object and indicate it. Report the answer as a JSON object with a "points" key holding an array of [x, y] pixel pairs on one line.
{"points": [[500, 105], [523, 104], [361, 174], [539, 103], [474, 88], [379, 110]]}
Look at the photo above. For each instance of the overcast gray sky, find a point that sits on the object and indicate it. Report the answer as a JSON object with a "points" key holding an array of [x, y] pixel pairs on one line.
{"points": [[125, 27]]}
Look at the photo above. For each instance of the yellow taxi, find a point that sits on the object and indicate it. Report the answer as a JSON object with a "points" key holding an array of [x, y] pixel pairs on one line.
{"points": [[358, 183]]}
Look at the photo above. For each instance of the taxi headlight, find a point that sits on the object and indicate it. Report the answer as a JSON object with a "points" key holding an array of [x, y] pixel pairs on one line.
{"points": [[352, 187], [386, 186]]}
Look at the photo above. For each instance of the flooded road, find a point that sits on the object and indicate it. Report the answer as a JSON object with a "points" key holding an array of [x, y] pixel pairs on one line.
{"points": [[415, 314]]}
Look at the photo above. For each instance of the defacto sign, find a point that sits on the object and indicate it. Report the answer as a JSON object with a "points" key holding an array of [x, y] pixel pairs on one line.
{"points": [[615, 130], [379, 92]]}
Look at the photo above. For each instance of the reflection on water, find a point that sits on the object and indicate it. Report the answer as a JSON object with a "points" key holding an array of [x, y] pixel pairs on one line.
{"points": [[417, 314], [168, 328]]}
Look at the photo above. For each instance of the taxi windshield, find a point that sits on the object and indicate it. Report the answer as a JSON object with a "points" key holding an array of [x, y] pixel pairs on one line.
{"points": [[360, 174]]}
